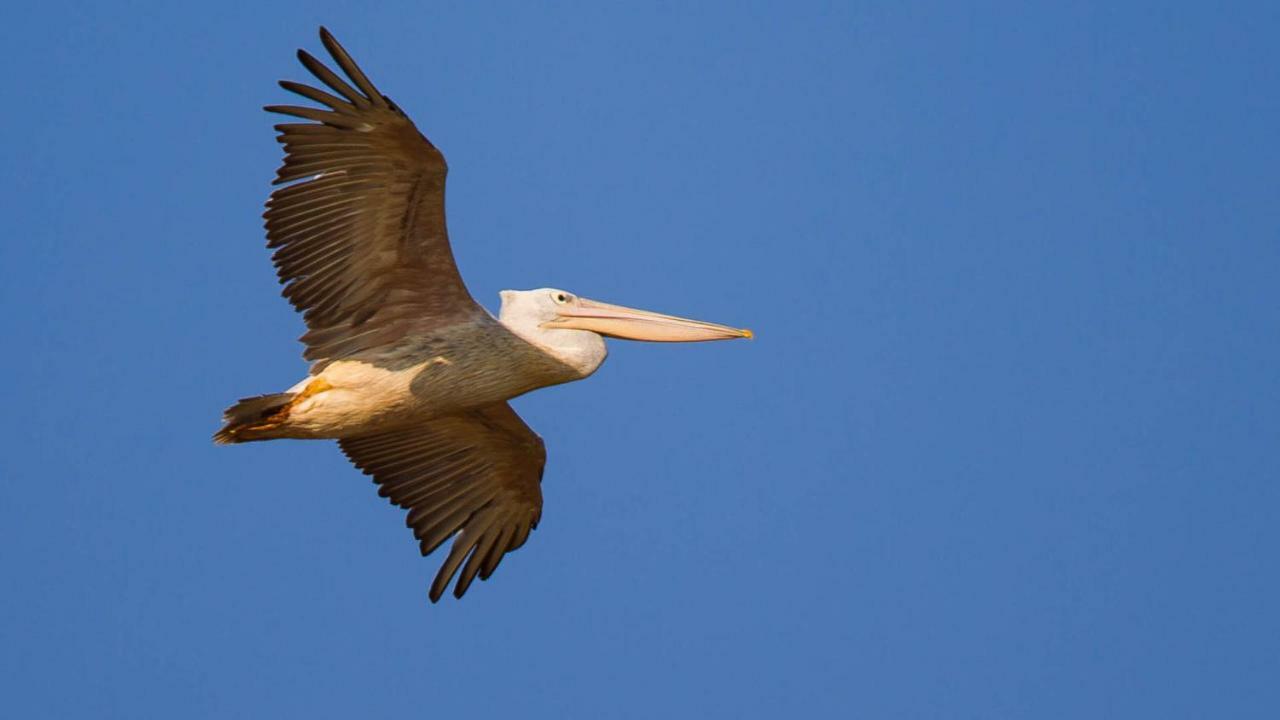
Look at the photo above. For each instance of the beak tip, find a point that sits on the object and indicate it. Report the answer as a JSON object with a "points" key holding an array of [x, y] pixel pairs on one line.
{"points": [[748, 334]]}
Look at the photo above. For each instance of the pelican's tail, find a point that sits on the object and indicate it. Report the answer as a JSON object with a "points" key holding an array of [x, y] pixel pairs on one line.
{"points": [[253, 418]]}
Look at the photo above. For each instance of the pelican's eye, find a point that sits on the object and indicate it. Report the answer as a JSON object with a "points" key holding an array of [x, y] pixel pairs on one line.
{"points": [[561, 298]]}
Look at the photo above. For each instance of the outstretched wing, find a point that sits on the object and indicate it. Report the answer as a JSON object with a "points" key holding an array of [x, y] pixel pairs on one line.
{"points": [[476, 476], [359, 226]]}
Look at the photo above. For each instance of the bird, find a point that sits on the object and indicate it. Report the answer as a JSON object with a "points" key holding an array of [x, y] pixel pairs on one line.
{"points": [[408, 372]]}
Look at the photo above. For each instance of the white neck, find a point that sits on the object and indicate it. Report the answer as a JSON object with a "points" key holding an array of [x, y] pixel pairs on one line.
{"points": [[581, 350]]}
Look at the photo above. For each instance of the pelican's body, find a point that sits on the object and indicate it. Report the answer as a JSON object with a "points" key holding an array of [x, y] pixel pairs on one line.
{"points": [[455, 368], [409, 374]]}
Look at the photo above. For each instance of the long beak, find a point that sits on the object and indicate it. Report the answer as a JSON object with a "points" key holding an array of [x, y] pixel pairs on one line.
{"points": [[631, 324]]}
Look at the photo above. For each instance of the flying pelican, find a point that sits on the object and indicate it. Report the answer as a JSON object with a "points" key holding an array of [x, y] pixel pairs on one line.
{"points": [[409, 373]]}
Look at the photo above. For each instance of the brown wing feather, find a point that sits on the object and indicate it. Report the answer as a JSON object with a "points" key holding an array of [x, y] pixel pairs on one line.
{"points": [[475, 477], [360, 238]]}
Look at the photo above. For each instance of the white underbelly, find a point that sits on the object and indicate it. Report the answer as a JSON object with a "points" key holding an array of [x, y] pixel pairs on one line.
{"points": [[354, 397]]}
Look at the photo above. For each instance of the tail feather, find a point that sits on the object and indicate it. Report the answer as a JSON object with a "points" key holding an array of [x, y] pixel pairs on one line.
{"points": [[252, 413]]}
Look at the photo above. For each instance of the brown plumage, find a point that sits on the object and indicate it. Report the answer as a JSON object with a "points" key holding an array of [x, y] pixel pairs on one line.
{"points": [[483, 467], [360, 238]]}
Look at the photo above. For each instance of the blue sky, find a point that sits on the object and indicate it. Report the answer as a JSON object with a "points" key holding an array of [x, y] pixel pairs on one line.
{"points": [[1005, 444]]}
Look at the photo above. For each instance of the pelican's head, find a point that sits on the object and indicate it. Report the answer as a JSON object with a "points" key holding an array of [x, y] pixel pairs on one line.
{"points": [[567, 323]]}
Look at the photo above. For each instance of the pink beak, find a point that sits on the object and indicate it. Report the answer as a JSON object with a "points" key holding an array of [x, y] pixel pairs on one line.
{"points": [[631, 324]]}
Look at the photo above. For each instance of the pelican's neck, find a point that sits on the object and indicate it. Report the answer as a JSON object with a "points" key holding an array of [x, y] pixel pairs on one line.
{"points": [[580, 350]]}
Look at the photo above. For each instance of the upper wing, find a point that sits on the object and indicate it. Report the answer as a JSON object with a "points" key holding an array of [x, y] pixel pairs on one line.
{"points": [[479, 472], [362, 248]]}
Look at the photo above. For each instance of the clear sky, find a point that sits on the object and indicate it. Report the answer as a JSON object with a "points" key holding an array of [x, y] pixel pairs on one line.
{"points": [[1005, 445]]}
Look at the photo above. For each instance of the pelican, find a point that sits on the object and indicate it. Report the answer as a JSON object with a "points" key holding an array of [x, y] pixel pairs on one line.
{"points": [[408, 373]]}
